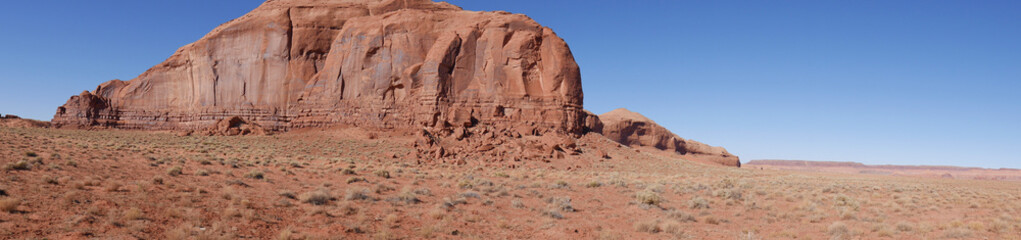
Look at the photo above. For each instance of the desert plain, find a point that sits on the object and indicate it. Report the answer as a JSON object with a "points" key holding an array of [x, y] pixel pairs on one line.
{"points": [[347, 184]]}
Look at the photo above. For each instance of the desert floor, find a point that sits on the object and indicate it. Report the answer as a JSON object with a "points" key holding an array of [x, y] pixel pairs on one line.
{"points": [[340, 184]]}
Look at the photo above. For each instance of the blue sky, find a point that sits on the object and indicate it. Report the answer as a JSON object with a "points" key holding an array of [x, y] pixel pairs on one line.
{"points": [[878, 82]]}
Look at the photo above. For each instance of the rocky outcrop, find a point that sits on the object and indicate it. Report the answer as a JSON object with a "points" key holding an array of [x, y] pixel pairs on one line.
{"points": [[234, 126], [387, 64], [633, 129], [11, 120]]}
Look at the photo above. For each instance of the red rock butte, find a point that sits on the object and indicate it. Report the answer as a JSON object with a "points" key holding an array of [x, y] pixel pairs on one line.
{"points": [[413, 66], [388, 64]]}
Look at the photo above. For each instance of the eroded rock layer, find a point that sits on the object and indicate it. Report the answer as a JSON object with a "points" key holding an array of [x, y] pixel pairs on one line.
{"points": [[633, 129], [391, 64]]}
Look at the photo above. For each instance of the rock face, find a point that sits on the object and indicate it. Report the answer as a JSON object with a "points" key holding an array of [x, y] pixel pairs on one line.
{"points": [[633, 129], [388, 64]]}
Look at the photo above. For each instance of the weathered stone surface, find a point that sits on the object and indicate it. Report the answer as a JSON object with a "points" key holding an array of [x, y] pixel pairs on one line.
{"points": [[633, 129], [389, 64]]}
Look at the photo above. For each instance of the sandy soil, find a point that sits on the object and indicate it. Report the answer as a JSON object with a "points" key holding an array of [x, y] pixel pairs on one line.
{"points": [[340, 184]]}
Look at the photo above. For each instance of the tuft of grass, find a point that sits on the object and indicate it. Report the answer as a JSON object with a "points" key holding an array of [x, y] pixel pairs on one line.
{"points": [[648, 197], [357, 194], [594, 184], [134, 214], [20, 165], [561, 204], [905, 226], [347, 171], [351, 180], [651, 226], [838, 230], [174, 171], [10, 204], [255, 174], [317, 197], [698, 203], [382, 173], [113, 187], [408, 196], [516, 203], [681, 216], [957, 233], [287, 194]]}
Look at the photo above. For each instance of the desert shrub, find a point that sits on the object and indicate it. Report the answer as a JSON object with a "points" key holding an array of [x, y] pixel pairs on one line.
{"points": [[674, 228], [134, 214], [648, 197], [845, 201], [450, 203], [698, 203], [681, 216], [174, 171], [355, 179], [113, 187], [976, 226], [317, 197], [501, 174], [255, 174], [287, 194], [617, 182], [409, 197], [31, 154], [651, 226], [905, 226], [516, 203], [347, 171], [202, 172], [20, 165], [9, 204], [957, 233], [594, 184], [552, 213], [560, 204], [713, 220], [729, 193], [469, 194], [382, 173], [423, 191], [356, 194], [998, 226], [838, 230], [560, 184]]}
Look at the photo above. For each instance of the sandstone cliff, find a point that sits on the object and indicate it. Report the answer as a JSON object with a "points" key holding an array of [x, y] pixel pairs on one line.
{"points": [[633, 129], [391, 64]]}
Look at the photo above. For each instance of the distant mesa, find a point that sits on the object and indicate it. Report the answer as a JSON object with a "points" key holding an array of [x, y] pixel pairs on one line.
{"points": [[948, 172], [466, 83]]}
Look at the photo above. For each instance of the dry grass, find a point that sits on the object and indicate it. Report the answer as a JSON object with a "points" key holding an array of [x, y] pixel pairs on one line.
{"points": [[317, 197], [314, 190], [9, 204]]}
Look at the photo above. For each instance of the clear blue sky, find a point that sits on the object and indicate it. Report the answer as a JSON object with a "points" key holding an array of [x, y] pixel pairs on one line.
{"points": [[897, 82]]}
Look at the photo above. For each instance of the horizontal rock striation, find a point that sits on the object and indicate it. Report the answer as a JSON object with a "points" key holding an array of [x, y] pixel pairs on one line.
{"points": [[393, 64]]}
